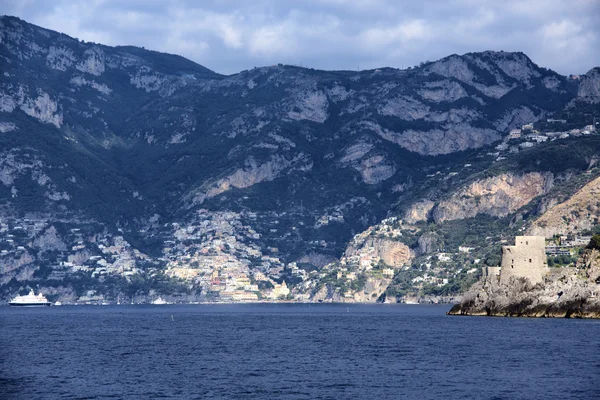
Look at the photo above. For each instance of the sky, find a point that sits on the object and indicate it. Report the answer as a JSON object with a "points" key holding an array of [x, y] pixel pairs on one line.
{"points": [[228, 36]]}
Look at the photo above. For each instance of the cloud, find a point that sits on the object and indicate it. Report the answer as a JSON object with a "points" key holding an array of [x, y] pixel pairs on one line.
{"points": [[403, 33], [560, 31], [229, 36]]}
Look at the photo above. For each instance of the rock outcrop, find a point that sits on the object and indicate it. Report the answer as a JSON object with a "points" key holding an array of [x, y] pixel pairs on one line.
{"points": [[497, 196], [419, 211], [567, 292], [589, 88], [375, 246], [578, 213], [252, 173]]}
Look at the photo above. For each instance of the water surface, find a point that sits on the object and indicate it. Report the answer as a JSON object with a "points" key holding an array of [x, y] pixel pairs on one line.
{"points": [[292, 352]]}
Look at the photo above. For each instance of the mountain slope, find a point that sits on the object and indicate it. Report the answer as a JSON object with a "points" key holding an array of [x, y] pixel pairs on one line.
{"points": [[161, 165]]}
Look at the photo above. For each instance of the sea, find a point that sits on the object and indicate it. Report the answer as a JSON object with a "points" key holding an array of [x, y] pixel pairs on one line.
{"points": [[292, 351]]}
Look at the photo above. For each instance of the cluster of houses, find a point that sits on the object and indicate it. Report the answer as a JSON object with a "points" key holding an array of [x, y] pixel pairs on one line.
{"points": [[563, 246], [75, 249], [527, 136], [221, 255], [216, 252]]}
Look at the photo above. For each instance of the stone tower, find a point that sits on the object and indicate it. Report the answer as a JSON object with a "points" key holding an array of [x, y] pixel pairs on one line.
{"points": [[526, 259]]}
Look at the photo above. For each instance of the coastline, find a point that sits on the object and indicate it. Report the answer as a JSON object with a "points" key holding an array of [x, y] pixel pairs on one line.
{"points": [[579, 309], [569, 292]]}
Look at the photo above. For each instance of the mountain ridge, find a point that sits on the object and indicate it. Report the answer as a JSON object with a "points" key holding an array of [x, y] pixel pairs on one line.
{"points": [[138, 143]]}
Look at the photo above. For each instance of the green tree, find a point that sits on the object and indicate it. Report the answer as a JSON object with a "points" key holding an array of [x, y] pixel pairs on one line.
{"points": [[493, 260], [594, 242]]}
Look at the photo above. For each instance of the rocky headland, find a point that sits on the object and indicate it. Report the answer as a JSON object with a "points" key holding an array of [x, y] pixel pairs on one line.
{"points": [[570, 292]]}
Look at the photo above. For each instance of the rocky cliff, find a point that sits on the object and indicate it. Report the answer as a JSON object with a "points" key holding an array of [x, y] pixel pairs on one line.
{"points": [[579, 213], [377, 245], [497, 196], [589, 89], [566, 292]]}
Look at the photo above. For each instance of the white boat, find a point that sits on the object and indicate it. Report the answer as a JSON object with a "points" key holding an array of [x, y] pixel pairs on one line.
{"points": [[30, 300], [159, 301]]}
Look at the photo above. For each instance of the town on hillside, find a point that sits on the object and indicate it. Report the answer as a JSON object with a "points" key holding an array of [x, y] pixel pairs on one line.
{"points": [[221, 255], [528, 136]]}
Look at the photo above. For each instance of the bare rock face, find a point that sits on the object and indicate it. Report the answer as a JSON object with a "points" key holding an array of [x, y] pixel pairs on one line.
{"points": [[589, 88], [551, 83], [81, 81], [404, 107], [354, 153], [376, 169], [374, 166], [7, 127], [392, 252], [428, 242], [456, 136], [590, 262], [93, 62], [42, 107], [577, 213], [7, 103], [60, 58], [565, 293], [10, 266], [147, 79], [443, 91], [515, 118], [372, 290], [310, 106], [516, 66], [253, 173], [50, 241], [497, 196], [458, 68], [419, 211]]}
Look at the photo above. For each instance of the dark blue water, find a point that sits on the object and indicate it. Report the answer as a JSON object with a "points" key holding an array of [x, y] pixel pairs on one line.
{"points": [[292, 352]]}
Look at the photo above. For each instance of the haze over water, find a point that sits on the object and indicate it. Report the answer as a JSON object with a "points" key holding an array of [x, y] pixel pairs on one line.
{"points": [[292, 352]]}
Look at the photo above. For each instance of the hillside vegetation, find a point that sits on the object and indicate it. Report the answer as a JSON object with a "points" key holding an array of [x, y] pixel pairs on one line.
{"points": [[129, 172]]}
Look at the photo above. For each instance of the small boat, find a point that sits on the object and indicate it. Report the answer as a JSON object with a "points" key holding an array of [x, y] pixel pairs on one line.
{"points": [[58, 303], [159, 301], [30, 300]]}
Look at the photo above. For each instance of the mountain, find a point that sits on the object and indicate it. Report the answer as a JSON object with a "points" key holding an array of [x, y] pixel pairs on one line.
{"points": [[128, 171]]}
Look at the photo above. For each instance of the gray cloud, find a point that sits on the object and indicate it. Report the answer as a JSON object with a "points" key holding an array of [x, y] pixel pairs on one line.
{"points": [[231, 35]]}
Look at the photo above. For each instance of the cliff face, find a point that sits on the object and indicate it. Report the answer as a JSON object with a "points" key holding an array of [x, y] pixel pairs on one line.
{"points": [[496, 196], [566, 292], [392, 252], [365, 271], [589, 89], [369, 293], [579, 212]]}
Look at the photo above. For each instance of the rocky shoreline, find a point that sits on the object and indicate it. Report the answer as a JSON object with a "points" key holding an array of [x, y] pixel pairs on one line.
{"points": [[565, 293]]}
